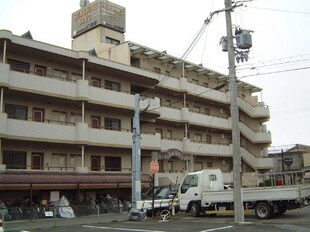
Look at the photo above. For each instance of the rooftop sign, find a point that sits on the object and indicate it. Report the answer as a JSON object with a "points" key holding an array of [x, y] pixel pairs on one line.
{"points": [[100, 12]]}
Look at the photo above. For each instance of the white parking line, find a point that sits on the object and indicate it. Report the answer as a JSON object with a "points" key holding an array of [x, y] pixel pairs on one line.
{"points": [[215, 229], [123, 229]]}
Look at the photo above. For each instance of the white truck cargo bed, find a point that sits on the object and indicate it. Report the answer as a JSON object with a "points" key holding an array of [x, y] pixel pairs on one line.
{"points": [[258, 194]]}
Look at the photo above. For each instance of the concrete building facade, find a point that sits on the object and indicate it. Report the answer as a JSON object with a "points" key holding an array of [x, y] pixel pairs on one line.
{"points": [[66, 114], [292, 159]]}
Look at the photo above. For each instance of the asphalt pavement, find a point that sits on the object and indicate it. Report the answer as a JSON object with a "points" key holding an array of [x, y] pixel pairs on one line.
{"points": [[60, 222]]}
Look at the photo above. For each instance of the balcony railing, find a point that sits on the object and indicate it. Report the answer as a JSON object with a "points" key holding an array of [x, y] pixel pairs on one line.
{"points": [[45, 75], [64, 168]]}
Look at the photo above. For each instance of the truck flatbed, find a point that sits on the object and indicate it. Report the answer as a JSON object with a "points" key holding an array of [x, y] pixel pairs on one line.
{"points": [[278, 193]]}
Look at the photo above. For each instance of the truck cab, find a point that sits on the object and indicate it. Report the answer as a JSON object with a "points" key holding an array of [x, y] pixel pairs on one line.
{"points": [[192, 186]]}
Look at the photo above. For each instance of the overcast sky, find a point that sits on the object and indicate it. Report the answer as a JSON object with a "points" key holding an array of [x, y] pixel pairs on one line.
{"points": [[280, 45]]}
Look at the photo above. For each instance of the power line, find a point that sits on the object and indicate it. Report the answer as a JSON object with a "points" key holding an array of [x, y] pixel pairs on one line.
{"points": [[274, 64], [280, 71], [272, 60], [186, 53], [280, 10]]}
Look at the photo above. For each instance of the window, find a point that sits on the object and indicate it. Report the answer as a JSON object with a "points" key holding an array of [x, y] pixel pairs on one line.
{"points": [[112, 124], [189, 181], [112, 85], [16, 112], [58, 162], [38, 115], [157, 70], [230, 167], [197, 137], [61, 74], [15, 159], [209, 165], [169, 134], [95, 163], [75, 160], [95, 122], [96, 82], [212, 177], [112, 163], [208, 138], [161, 166], [40, 70], [112, 41], [59, 117], [135, 62], [197, 109], [75, 118], [168, 102], [19, 66], [76, 76], [207, 111], [159, 131], [37, 161], [170, 166], [198, 166]]}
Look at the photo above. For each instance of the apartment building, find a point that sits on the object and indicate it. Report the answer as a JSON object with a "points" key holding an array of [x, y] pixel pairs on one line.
{"points": [[67, 114]]}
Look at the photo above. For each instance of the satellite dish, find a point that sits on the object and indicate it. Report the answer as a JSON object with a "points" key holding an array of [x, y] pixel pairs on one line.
{"points": [[83, 3]]}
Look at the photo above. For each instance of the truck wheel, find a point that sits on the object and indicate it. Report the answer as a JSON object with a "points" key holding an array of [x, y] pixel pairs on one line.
{"points": [[195, 210], [263, 211]]}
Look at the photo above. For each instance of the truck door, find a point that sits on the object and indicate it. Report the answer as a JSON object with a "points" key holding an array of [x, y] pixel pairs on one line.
{"points": [[189, 190]]}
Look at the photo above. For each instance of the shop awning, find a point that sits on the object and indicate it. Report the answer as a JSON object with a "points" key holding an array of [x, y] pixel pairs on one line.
{"points": [[68, 178]]}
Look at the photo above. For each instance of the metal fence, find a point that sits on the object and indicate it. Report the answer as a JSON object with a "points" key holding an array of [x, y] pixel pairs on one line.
{"points": [[17, 218]]}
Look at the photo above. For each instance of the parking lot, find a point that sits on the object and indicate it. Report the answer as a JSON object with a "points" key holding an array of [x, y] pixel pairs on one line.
{"points": [[295, 220]]}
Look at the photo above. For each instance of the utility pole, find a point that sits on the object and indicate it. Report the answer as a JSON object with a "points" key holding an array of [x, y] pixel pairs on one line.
{"points": [[136, 155], [234, 110]]}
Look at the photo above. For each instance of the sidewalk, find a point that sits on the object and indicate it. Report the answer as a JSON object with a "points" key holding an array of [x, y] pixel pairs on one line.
{"points": [[58, 222]]}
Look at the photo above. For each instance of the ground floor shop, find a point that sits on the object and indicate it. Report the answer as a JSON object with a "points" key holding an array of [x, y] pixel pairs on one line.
{"points": [[28, 189]]}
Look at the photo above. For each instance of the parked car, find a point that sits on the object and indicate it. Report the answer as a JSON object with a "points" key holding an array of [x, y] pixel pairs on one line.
{"points": [[162, 196], [161, 192]]}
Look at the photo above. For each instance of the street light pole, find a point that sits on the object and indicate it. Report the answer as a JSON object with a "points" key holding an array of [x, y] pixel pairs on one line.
{"points": [[234, 110]]}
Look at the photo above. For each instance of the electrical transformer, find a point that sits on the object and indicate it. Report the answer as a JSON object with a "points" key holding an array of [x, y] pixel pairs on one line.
{"points": [[244, 39]]}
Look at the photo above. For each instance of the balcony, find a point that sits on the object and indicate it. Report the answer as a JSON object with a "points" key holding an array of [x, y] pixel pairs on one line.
{"points": [[183, 115], [78, 90], [219, 150], [207, 93], [254, 111], [79, 133], [262, 136], [182, 85]]}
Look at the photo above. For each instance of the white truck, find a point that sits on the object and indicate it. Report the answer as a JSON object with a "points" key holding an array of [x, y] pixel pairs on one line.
{"points": [[203, 192]]}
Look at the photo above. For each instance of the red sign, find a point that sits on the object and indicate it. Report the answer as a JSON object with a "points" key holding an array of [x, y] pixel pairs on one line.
{"points": [[154, 167]]}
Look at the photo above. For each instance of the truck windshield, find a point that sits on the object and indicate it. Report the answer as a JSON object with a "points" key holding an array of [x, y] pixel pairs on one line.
{"points": [[189, 181]]}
